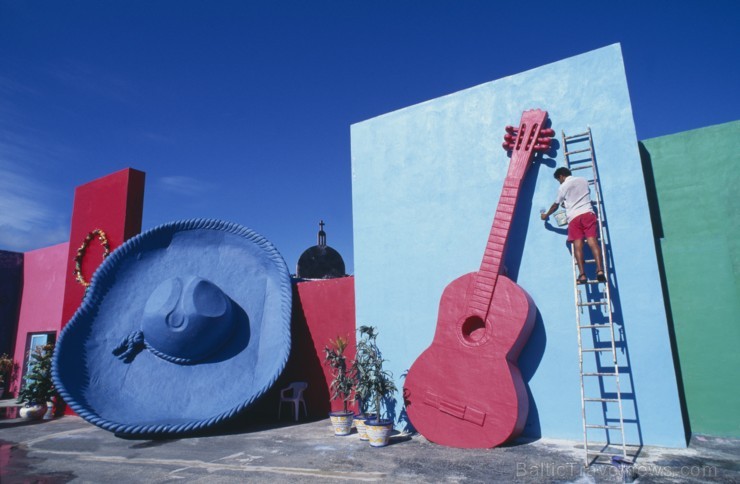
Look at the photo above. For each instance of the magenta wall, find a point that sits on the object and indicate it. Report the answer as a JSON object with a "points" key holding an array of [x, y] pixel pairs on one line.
{"points": [[43, 295]]}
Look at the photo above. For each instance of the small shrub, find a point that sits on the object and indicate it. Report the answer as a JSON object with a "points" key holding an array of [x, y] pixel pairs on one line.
{"points": [[342, 383], [39, 387]]}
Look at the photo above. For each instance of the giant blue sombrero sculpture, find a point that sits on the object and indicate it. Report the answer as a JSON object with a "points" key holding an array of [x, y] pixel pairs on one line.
{"points": [[183, 328]]}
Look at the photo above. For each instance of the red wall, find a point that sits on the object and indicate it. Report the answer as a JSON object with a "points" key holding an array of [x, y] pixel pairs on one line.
{"points": [[114, 204], [322, 310], [329, 311], [41, 302]]}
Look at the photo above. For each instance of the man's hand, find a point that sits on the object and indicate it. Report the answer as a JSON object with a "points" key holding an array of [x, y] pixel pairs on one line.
{"points": [[544, 215]]}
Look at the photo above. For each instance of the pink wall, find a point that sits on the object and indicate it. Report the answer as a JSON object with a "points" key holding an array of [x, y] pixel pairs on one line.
{"points": [[43, 293]]}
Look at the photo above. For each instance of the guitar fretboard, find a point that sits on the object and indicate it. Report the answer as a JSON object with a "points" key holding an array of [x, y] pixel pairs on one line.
{"points": [[485, 282], [493, 256]]}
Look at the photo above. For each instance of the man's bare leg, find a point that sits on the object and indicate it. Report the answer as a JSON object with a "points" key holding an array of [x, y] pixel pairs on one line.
{"points": [[578, 252], [596, 251]]}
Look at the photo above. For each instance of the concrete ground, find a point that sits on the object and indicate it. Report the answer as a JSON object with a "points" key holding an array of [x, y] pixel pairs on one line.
{"points": [[68, 449]]}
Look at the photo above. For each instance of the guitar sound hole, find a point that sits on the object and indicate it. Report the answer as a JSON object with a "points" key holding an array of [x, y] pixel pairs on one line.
{"points": [[473, 329]]}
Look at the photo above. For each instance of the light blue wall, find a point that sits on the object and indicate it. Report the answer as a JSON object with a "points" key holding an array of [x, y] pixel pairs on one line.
{"points": [[426, 180]]}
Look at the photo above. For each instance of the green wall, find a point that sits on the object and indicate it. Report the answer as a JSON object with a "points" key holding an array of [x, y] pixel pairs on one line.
{"points": [[696, 181]]}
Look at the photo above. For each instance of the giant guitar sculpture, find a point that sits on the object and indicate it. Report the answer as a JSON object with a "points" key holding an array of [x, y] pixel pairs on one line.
{"points": [[466, 390]]}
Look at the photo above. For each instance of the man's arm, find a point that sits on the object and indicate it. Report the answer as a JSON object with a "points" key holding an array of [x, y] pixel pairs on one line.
{"points": [[552, 209]]}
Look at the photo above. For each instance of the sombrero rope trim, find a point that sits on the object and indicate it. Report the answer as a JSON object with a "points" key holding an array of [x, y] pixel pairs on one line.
{"points": [[100, 284]]}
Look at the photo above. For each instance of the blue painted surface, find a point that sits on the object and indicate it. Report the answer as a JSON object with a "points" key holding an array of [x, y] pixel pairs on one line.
{"points": [[425, 183], [194, 381]]}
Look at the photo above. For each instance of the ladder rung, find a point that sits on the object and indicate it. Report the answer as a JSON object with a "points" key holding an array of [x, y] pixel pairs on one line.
{"points": [[606, 427], [601, 400], [600, 374], [579, 135], [597, 303], [593, 350], [590, 281], [582, 160], [605, 445], [610, 454], [581, 167], [594, 326]]}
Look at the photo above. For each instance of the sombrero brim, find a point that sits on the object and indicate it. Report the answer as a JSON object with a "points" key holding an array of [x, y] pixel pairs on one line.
{"points": [[150, 396]]}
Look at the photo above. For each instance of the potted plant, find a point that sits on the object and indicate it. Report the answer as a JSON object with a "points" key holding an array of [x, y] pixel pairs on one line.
{"points": [[362, 374], [342, 384], [6, 367], [361, 417], [38, 390], [374, 383]]}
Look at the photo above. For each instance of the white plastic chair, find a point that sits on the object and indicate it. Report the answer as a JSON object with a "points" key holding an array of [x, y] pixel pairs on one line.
{"points": [[296, 397]]}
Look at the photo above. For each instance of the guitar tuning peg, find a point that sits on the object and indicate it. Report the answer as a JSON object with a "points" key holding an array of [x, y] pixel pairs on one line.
{"points": [[511, 129], [547, 132]]}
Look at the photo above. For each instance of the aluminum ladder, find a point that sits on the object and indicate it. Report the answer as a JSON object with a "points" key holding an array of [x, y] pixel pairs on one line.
{"points": [[594, 315]]}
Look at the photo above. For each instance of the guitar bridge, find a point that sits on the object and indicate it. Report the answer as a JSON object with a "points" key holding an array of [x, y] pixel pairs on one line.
{"points": [[457, 410]]}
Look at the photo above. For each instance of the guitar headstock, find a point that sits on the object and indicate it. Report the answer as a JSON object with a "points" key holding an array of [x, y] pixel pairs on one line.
{"points": [[530, 135]]}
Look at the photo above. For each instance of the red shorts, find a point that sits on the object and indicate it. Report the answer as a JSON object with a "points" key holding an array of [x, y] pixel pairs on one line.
{"points": [[583, 226]]}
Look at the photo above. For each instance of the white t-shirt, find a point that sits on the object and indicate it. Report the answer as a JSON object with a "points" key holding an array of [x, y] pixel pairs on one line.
{"points": [[575, 196]]}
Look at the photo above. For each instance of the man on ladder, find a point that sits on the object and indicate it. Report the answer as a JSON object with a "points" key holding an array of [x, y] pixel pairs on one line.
{"points": [[575, 197]]}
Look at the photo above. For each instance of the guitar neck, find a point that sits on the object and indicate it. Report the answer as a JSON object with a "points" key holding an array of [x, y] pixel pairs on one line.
{"points": [[492, 264], [493, 256]]}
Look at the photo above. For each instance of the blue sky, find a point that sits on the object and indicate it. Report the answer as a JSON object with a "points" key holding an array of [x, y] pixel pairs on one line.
{"points": [[241, 110]]}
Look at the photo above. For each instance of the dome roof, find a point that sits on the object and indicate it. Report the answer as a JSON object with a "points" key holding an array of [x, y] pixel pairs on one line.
{"points": [[320, 261]]}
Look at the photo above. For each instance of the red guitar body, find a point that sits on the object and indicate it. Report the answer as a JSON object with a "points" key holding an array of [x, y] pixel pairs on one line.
{"points": [[466, 390], [474, 398]]}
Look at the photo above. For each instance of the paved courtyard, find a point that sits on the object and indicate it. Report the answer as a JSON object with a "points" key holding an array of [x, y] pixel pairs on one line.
{"points": [[68, 449]]}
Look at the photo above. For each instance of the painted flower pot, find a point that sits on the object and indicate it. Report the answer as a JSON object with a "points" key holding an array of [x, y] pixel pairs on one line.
{"points": [[33, 412], [342, 422], [359, 424], [378, 432]]}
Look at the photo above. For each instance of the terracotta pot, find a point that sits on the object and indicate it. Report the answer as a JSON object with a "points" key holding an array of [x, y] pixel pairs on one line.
{"points": [[342, 422]]}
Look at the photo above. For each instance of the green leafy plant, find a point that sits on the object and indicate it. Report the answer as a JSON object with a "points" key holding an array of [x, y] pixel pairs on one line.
{"points": [[6, 366], [342, 383], [361, 374], [39, 387], [373, 382]]}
